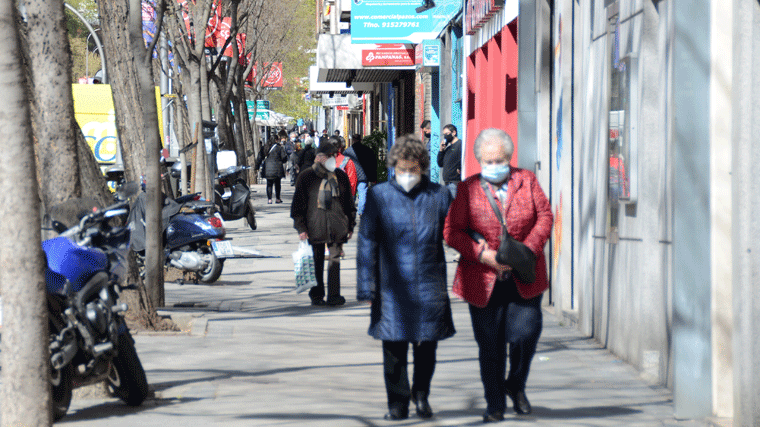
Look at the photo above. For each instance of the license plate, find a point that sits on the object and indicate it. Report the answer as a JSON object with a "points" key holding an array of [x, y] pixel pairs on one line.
{"points": [[222, 249]]}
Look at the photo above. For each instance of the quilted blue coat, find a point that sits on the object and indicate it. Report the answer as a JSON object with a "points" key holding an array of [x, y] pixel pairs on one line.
{"points": [[400, 262]]}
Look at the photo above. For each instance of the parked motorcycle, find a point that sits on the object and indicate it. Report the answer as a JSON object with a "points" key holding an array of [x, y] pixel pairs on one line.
{"points": [[233, 197], [188, 234], [89, 339]]}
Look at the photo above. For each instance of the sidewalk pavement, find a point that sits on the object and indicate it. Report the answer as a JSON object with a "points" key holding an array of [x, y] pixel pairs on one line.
{"points": [[255, 353]]}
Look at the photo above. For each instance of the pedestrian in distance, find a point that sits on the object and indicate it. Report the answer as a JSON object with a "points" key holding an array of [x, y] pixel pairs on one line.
{"points": [[272, 159], [401, 270], [504, 308], [365, 161], [426, 132], [450, 158], [293, 162], [323, 213], [307, 154], [345, 163]]}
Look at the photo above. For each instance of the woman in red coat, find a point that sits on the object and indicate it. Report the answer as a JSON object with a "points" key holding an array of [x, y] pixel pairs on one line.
{"points": [[503, 309]]}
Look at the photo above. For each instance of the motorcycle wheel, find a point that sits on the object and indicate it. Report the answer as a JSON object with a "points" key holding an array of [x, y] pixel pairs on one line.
{"points": [[250, 216], [60, 391], [214, 270], [127, 380]]}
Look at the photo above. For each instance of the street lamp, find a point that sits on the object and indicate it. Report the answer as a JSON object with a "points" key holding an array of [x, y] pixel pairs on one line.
{"points": [[96, 38], [87, 53]]}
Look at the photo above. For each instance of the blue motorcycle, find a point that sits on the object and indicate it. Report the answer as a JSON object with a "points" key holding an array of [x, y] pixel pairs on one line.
{"points": [[89, 339], [189, 236]]}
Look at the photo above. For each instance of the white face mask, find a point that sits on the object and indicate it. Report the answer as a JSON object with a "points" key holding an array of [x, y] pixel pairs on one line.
{"points": [[407, 181], [330, 164]]}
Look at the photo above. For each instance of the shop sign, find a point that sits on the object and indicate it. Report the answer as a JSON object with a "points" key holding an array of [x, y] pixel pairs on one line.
{"points": [[334, 101], [387, 57], [478, 12], [342, 107], [397, 21]]}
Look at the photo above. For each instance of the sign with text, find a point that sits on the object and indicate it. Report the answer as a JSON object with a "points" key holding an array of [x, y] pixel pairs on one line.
{"points": [[333, 101], [387, 57], [273, 79], [397, 21], [428, 53]]}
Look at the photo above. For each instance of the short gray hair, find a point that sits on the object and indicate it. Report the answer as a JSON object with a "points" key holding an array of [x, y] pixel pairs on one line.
{"points": [[493, 135]]}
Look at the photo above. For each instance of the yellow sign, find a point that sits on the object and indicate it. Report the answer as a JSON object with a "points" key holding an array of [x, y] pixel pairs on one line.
{"points": [[94, 111]]}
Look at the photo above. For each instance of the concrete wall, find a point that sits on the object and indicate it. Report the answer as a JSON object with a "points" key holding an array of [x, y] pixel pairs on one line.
{"points": [[616, 284], [746, 211]]}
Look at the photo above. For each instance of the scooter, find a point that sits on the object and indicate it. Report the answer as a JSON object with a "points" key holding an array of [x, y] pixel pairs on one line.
{"points": [[89, 339], [233, 197], [189, 233]]}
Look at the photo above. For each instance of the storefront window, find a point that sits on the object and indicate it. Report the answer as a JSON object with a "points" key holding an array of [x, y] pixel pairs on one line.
{"points": [[621, 147]]}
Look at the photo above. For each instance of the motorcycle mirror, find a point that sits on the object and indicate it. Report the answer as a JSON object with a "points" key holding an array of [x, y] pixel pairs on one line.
{"points": [[59, 227]]}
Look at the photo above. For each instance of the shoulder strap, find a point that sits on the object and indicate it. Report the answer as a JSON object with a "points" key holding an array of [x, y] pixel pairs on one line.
{"points": [[344, 162], [491, 200]]}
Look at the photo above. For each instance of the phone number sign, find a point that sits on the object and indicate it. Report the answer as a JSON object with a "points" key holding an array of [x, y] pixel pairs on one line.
{"points": [[397, 21]]}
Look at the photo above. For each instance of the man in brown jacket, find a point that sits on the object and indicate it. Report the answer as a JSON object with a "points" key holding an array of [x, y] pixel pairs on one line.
{"points": [[323, 212]]}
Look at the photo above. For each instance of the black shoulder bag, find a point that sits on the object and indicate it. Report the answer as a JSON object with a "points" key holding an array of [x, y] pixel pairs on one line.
{"points": [[511, 251]]}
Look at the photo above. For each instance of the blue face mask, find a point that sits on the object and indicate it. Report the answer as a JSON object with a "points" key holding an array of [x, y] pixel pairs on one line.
{"points": [[495, 174]]}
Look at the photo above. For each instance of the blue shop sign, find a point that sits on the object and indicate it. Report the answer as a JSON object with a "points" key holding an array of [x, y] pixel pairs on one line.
{"points": [[397, 21]]}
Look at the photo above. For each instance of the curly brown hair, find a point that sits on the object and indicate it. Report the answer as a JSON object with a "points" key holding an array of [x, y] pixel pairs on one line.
{"points": [[409, 147]]}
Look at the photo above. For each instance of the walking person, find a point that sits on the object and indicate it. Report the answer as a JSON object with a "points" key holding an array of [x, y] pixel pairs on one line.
{"points": [[450, 158], [401, 269], [271, 159], [365, 159], [293, 163], [306, 155], [345, 163], [504, 309], [323, 213]]}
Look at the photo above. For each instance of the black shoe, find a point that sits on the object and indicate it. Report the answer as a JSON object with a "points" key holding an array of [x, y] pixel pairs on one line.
{"points": [[397, 412], [278, 201], [493, 418], [319, 301], [420, 399], [333, 301], [520, 402]]}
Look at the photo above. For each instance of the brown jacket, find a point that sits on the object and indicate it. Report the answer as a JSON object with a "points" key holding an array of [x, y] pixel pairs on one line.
{"points": [[329, 224]]}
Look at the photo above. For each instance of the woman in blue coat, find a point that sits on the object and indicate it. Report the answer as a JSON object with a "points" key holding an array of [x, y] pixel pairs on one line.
{"points": [[401, 269]]}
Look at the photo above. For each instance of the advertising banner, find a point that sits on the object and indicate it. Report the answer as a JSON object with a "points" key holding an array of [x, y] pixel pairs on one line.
{"points": [[387, 57], [397, 21], [273, 78]]}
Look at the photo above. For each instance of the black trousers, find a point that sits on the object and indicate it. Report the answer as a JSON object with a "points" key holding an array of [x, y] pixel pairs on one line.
{"points": [[277, 187], [508, 318], [333, 270], [395, 369]]}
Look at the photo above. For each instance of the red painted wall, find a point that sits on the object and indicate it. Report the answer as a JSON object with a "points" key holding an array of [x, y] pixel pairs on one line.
{"points": [[492, 92]]}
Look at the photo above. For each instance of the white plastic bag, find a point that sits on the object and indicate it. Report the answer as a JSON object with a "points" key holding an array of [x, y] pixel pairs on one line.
{"points": [[303, 261]]}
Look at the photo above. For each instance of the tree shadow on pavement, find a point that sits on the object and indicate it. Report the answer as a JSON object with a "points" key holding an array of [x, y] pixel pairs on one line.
{"points": [[541, 412], [116, 408], [370, 421], [223, 374]]}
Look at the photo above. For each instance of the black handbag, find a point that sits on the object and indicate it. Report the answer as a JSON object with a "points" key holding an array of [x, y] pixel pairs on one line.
{"points": [[512, 252]]}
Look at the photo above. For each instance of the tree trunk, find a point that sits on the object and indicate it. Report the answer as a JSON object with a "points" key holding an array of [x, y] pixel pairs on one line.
{"points": [[50, 68], [154, 249], [132, 84], [122, 73], [25, 374]]}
